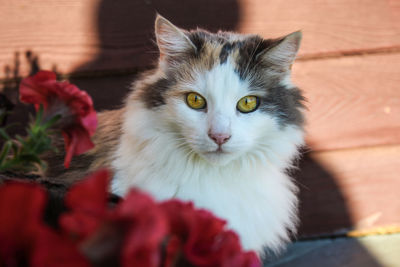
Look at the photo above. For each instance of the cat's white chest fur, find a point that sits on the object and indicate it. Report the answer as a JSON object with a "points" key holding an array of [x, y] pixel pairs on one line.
{"points": [[252, 193]]}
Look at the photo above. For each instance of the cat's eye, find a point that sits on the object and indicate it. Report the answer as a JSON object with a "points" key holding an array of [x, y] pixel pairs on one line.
{"points": [[195, 101], [248, 104]]}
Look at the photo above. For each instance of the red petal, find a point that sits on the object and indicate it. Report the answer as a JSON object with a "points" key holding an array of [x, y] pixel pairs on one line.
{"points": [[79, 101], [53, 250], [84, 143], [90, 194], [77, 141], [207, 239], [134, 203], [37, 89], [250, 259], [87, 202], [180, 217], [21, 210], [89, 122], [79, 225], [172, 251], [44, 76], [147, 231], [70, 145], [203, 238]]}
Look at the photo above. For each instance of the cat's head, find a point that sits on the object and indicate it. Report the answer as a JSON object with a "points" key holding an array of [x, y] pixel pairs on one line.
{"points": [[224, 94]]}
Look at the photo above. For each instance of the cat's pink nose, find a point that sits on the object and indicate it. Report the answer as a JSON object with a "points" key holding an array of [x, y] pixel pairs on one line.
{"points": [[219, 138]]}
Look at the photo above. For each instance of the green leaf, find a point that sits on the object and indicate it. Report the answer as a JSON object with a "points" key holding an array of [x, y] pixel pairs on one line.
{"points": [[52, 121], [39, 115], [5, 151], [21, 140], [4, 134], [27, 150]]}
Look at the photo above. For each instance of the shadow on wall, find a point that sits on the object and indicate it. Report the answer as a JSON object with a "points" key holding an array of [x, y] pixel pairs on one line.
{"points": [[127, 26], [324, 217], [323, 209], [323, 213]]}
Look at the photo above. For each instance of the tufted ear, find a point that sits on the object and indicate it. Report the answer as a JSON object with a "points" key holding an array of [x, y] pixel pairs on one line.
{"points": [[170, 39], [285, 51]]}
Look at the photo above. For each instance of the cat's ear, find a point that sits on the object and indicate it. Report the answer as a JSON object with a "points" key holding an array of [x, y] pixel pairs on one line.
{"points": [[170, 39], [284, 52]]}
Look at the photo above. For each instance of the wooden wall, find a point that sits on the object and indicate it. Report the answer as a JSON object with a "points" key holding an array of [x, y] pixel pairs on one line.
{"points": [[348, 67]]}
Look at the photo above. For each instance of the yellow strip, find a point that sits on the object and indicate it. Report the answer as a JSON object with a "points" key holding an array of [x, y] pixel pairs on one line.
{"points": [[392, 229]]}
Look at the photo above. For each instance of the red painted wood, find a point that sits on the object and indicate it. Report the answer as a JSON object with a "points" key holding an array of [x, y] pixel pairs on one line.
{"points": [[93, 35], [328, 26], [352, 101]]}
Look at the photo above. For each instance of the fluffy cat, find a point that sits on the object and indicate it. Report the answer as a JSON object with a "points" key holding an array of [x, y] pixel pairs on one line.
{"points": [[217, 122]]}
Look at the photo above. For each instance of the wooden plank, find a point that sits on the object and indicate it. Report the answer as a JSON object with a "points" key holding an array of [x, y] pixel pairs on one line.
{"points": [[56, 32], [349, 189], [352, 101], [328, 26], [98, 35]]}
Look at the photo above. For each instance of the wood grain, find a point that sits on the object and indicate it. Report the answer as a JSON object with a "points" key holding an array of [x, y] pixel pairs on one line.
{"points": [[96, 35], [328, 26], [103, 35], [352, 101], [349, 189]]}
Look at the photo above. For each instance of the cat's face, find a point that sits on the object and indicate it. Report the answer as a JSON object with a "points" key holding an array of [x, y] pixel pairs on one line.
{"points": [[223, 95], [219, 131]]}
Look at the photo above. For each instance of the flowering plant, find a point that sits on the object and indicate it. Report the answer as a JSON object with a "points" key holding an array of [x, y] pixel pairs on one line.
{"points": [[135, 232], [58, 105]]}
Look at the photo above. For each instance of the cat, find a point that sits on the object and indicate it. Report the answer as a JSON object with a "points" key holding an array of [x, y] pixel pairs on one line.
{"points": [[217, 122]]}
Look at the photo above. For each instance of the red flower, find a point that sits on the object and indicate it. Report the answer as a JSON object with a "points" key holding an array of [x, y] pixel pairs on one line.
{"points": [[136, 232], [79, 119], [202, 239], [147, 230], [134, 229], [87, 202], [21, 209], [51, 249], [24, 238]]}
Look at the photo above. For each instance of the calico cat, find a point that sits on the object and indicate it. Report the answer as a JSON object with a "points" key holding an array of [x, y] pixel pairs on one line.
{"points": [[217, 122]]}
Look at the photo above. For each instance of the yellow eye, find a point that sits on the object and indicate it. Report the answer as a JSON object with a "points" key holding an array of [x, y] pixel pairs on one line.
{"points": [[195, 101], [248, 104]]}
